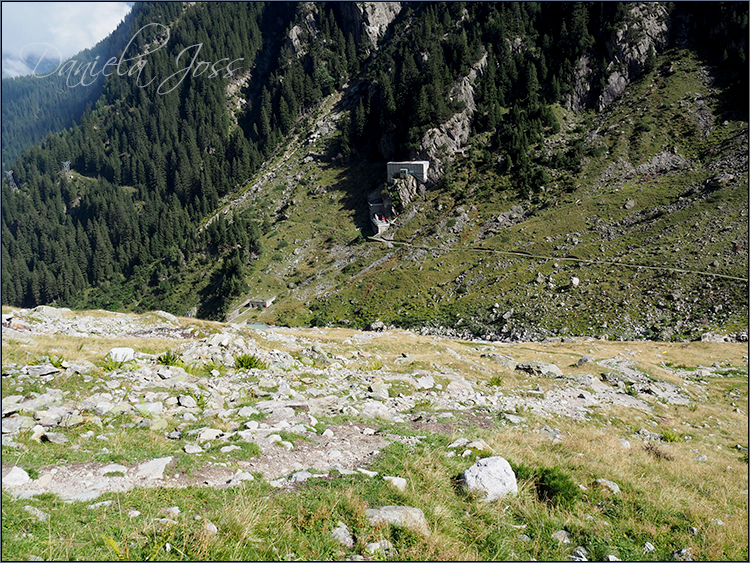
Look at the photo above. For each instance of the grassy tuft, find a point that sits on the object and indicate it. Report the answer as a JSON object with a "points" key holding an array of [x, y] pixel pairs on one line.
{"points": [[249, 361]]}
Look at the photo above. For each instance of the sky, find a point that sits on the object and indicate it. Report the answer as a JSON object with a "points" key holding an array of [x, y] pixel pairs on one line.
{"points": [[69, 27]]}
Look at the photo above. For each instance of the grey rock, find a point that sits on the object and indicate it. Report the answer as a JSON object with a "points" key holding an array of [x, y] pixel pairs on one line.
{"points": [[552, 433], [399, 516], [209, 528], [300, 476], [425, 382], [501, 359], [42, 369], [239, 477], [15, 424], [122, 354], [246, 412], [155, 407], [491, 477], [611, 558], [82, 366], [36, 513], [513, 418], [379, 390], [16, 477], [192, 449], [55, 438], [611, 485], [49, 313], [153, 469], [648, 436], [648, 547], [207, 434], [377, 326], [458, 443], [561, 536], [541, 369], [102, 504], [685, 554], [384, 546], [396, 482], [630, 204], [343, 535], [584, 359]]}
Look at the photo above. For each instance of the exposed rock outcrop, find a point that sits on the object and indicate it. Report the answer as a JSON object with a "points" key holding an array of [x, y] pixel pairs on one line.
{"points": [[440, 144], [402, 191], [370, 19], [644, 31]]}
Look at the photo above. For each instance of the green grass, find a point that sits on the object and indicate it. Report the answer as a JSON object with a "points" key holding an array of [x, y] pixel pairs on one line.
{"points": [[249, 361]]}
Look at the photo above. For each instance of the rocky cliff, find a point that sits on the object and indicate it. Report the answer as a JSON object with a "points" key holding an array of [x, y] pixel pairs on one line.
{"points": [[369, 19], [642, 34], [441, 144]]}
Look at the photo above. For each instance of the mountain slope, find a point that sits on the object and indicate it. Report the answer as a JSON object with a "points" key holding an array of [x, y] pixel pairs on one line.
{"points": [[564, 142], [674, 204]]}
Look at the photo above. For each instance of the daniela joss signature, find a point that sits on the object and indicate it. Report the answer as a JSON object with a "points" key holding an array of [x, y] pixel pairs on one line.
{"points": [[80, 74]]}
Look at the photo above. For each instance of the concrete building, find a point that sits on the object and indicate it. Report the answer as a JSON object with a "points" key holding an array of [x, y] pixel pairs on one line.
{"points": [[378, 212], [260, 303], [416, 168]]}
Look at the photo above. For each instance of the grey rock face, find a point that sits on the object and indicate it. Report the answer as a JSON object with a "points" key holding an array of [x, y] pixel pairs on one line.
{"points": [[491, 477], [454, 133], [370, 19], [627, 58]]}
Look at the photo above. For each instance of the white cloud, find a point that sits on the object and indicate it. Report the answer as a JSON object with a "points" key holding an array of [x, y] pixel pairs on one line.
{"points": [[68, 27]]}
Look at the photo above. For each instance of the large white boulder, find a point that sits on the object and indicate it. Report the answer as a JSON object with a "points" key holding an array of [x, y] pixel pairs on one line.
{"points": [[122, 354], [491, 478]]}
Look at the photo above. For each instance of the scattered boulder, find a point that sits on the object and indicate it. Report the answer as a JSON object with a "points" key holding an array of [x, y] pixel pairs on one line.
{"points": [[16, 477], [343, 535], [491, 477], [611, 485], [399, 516], [398, 483], [122, 354], [584, 359], [684, 554], [541, 369]]}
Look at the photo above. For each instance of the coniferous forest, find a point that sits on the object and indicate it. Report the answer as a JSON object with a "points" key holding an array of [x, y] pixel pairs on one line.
{"points": [[150, 164]]}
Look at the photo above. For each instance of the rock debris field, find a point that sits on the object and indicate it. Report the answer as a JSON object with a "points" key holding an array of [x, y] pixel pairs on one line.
{"points": [[318, 400]]}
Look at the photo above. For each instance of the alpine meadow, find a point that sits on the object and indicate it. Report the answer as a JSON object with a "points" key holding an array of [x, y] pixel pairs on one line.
{"points": [[380, 281]]}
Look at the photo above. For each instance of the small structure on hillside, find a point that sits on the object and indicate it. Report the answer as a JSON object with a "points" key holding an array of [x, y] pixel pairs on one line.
{"points": [[416, 168], [260, 303], [378, 211], [380, 205]]}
